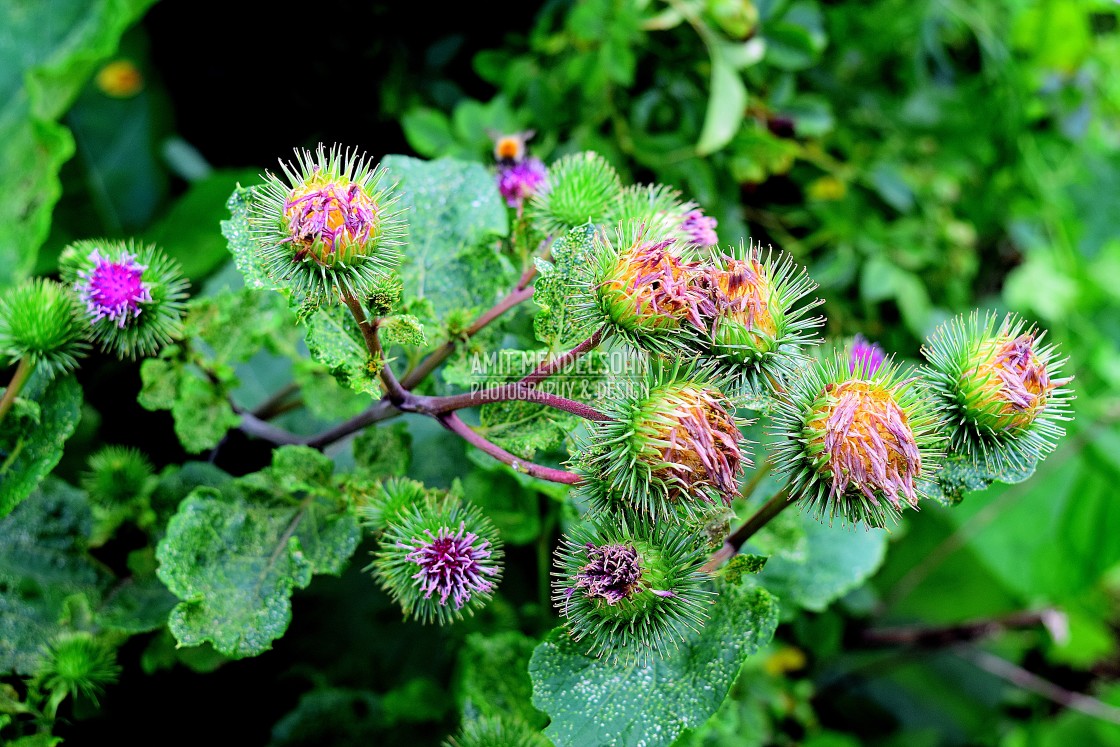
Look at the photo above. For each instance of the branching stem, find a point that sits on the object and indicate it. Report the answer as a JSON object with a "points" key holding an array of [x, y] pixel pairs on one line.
{"points": [[19, 378], [453, 423], [777, 503]]}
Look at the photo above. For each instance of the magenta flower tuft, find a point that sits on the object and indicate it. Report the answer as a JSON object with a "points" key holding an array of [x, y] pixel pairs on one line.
{"points": [[452, 564], [612, 572], [113, 289], [700, 228], [519, 181], [865, 357]]}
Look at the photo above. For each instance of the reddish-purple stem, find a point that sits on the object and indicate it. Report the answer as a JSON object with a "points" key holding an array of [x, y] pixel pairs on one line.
{"points": [[453, 423]]}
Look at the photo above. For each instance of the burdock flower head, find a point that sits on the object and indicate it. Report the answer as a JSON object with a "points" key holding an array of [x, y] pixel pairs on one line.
{"points": [[755, 328], [644, 291], [629, 587], [40, 322], [581, 188], [1000, 386], [860, 446], [439, 559], [671, 449], [133, 294], [329, 227]]}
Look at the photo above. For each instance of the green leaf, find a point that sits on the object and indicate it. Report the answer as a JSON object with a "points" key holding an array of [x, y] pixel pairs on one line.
{"points": [[47, 52], [31, 443], [835, 560], [455, 216], [1054, 536], [202, 414], [332, 716], [493, 677], [333, 338], [234, 557], [557, 283], [238, 233], [44, 568], [136, 606], [428, 131], [594, 702], [727, 101], [383, 451]]}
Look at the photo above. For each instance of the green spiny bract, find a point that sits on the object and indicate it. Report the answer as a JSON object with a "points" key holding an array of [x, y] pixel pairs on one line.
{"points": [[999, 387], [386, 499], [439, 558], [76, 663], [134, 294], [857, 447], [631, 588], [655, 207], [330, 229], [117, 475], [755, 330], [671, 449], [497, 731], [40, 321], [581, 187]]}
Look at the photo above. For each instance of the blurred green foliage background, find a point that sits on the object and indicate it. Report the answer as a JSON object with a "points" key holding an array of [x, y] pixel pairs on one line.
{"points": [[921, 157]]}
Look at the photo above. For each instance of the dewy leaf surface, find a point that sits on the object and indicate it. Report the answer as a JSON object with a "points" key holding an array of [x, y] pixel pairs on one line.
{"points": [[31, 445], [44, 568], [333, 339], [233, 558], [455, 217], [592, 702], [834, 560]]}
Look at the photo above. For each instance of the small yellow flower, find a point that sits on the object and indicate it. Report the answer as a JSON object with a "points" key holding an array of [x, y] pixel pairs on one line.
{"points": [[120, 79]]}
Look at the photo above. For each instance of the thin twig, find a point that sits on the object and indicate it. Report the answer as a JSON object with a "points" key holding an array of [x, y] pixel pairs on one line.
{"points": [[1031, 682], [393, 388], [274, 405], [939, 636], [453, 423], [251, 425]]}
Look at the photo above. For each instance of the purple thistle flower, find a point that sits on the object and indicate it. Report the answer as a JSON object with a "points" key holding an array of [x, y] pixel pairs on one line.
{"points": [[612, 572], [113, 289], [701, 229], [338, 214], [868, 444], [519, 181], [865, 357], [452, 564]]}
